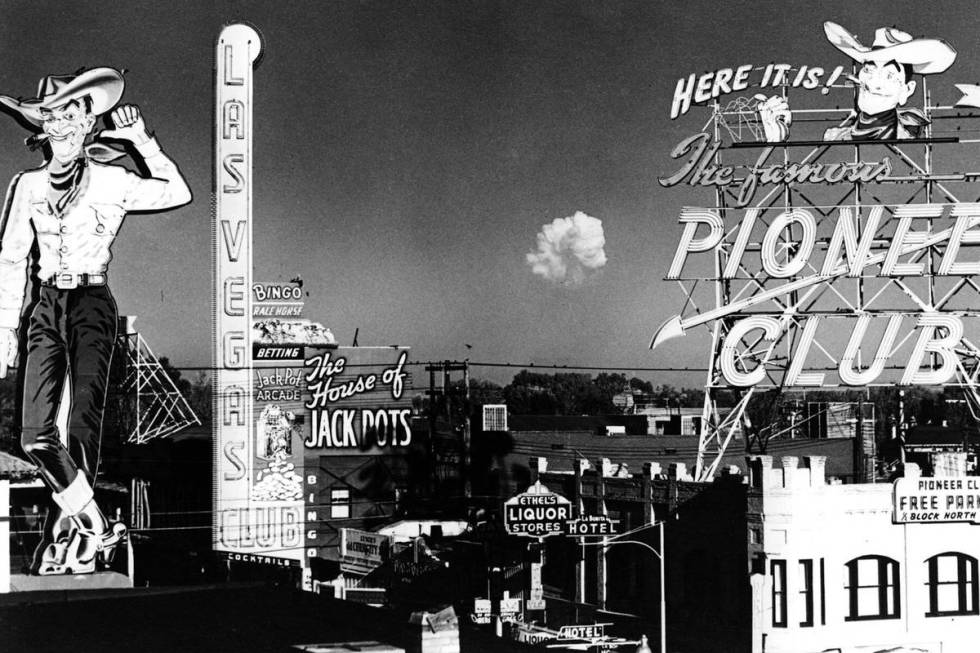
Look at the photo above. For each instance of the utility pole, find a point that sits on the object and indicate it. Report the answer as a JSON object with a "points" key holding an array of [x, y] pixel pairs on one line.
{"points": [[467, 484], [447, 367]]}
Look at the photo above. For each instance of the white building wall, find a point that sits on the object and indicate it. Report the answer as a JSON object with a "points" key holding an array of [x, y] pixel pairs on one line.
{"points": [[4, 537], [803, 518]]}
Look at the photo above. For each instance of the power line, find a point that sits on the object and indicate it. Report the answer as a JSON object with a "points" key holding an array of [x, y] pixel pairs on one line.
{"points": [[530, 366]]}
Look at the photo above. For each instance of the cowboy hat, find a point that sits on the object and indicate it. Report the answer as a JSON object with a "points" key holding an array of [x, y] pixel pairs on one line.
{"points": [[926, 56], [104, 86]]}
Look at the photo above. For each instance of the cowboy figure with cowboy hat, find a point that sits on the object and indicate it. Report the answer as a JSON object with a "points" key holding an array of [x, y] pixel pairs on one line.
{"points": [[884, 84], [71, 209]]}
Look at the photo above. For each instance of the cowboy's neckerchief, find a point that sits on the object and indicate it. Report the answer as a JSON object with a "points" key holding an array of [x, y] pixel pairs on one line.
{"points": [[63, 185], [895, 124]]}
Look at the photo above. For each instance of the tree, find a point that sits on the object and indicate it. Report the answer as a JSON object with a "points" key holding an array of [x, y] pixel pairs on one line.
{"points": [[608, 386], [640, 385]]}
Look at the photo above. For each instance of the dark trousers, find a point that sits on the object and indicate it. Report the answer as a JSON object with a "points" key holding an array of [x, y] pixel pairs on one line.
{"points": [[71, 334]]}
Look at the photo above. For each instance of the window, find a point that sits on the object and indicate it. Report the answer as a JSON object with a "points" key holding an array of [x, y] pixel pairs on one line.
{"points": [[340, 504], [823, 596], [873, 588], [778, 570], [952, 584], [806, 591], [495, 417]]}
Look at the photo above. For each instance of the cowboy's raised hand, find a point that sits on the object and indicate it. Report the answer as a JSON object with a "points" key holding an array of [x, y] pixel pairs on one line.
{"points": [[775, 116], [129, 125]]}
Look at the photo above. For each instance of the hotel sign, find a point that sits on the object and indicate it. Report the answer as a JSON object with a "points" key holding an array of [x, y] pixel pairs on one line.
{"points": [[592, 525], [931, 500]]}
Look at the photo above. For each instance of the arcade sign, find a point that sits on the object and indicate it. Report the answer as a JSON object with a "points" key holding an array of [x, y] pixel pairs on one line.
{"points": [[537, 513]]}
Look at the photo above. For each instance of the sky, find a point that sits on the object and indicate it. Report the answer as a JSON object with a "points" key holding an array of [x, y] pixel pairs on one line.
{"points": [[408, 154]]}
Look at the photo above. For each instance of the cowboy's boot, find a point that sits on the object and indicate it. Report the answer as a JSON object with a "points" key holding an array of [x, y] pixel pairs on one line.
{"points": [[51, 553], [98, 538], [64, 556], [93, 537]]}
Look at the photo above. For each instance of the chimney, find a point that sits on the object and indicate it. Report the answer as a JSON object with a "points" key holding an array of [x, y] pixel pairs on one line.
{"points": [[729, 472], [652, 470], [678, 472], [818, 469], [538, 466], [607, 468], [789, 465], [760, 471]]}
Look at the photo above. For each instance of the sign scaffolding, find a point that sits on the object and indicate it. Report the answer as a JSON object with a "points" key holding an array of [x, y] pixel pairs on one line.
{"points": [[845, 261]]}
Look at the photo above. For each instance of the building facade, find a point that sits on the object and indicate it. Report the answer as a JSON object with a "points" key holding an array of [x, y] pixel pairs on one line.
{"points": [[780, 560], [833, 571]]}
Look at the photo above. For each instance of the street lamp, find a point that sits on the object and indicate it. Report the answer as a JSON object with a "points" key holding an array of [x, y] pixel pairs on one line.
{"points": [[663, 579]]}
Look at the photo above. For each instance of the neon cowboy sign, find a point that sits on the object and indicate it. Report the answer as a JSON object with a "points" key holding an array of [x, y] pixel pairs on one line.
{"points": [[808, 290]]}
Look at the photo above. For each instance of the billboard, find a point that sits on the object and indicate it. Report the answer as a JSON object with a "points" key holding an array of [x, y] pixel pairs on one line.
{"points": [[285, 394], [363, 551], [357, 401], [257, 517], [355, 408], [929, 500], [277, 319], [835, 251]]}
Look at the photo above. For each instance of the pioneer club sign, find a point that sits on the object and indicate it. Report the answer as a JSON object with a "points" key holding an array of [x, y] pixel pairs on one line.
{"points": [[854, 249], [834, 248]]}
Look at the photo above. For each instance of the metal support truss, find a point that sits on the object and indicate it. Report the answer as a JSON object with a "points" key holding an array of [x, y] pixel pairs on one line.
{"points": [[159, 409]]}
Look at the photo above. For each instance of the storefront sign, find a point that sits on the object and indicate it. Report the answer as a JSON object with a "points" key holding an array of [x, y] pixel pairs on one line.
{"points": [[405, 570], [536, 513], [363, 551], [536, 600], [482, 611], [534, 634], [592, 525], [274, 561], [510, 608], [366, 595], [931, 500]]}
